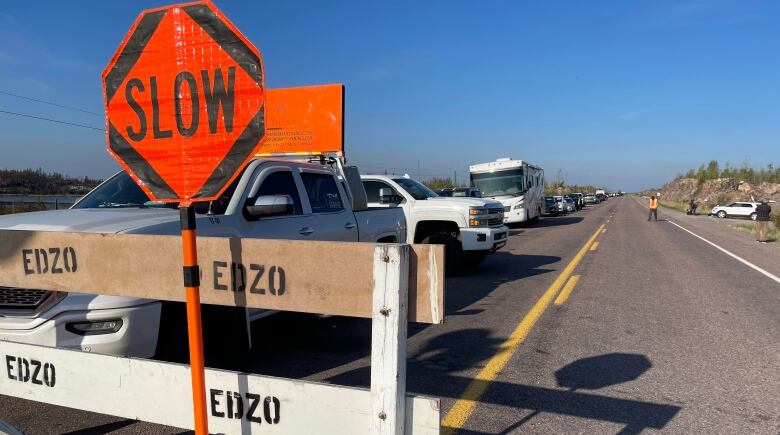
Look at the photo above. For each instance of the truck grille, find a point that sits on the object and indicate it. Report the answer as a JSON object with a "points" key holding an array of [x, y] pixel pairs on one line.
{"points": [[12, 297], [495, 217]]}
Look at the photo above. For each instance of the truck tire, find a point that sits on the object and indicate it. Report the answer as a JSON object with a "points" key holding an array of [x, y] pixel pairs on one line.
{"points": [[721, 214], [453, 251], [225, 335], [172, 336], [753, 216]]}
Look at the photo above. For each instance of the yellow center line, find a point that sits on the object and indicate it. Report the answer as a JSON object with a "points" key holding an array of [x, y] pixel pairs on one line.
{"points": [[567, 289], [594, 246], [457, 415]]}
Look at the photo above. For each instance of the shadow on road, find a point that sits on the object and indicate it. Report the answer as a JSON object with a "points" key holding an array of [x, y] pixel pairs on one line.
{"points": [[559, 220], [327, 343], [427, 377]]}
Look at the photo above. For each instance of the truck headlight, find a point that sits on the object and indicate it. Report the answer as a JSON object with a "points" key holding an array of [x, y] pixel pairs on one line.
{"points": [[94, 327], [517, 206], [478, 217]]}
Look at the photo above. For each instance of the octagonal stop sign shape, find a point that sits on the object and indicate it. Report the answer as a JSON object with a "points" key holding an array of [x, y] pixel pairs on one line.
{"points": [[185, 102]]}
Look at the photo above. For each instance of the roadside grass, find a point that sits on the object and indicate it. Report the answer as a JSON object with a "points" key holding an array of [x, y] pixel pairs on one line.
{"points": [[772, 235], [683, 206]]}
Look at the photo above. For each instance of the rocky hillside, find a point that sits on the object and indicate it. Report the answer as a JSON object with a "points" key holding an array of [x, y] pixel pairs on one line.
{"points": [[718, 191]]}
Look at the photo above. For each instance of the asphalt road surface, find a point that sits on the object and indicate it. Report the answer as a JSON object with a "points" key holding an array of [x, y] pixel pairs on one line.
{"points": [[596, 322]]}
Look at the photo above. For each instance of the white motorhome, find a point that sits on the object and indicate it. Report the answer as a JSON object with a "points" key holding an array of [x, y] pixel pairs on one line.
{"points": [[518, 185]]}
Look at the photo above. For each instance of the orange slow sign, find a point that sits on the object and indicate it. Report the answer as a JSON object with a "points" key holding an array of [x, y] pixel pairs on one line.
{"points": [[185, 102]]}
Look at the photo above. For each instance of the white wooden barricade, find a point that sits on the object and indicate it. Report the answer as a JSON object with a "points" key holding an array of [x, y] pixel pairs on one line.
{"points": [[159, 392]]}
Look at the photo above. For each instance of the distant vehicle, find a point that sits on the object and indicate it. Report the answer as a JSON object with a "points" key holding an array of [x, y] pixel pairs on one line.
{"points": [[518, 185], [460, 192], [736, 209], [561, 204], [590, 199], [551, 206], [578, 202], [568, 204]]}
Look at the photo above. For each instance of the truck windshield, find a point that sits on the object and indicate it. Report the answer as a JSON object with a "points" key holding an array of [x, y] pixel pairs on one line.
{"points": [[414, 188], [500, 183], [121, 191]]}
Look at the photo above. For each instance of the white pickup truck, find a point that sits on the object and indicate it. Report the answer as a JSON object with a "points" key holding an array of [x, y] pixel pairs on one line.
{"points": [[469, 228], [276, 199]]}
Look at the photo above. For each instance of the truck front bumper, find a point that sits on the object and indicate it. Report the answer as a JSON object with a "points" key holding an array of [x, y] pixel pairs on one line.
{"points": [[484, 239], [136, 337]]}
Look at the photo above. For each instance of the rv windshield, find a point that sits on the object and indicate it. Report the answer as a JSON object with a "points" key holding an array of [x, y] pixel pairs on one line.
{"points": [[500, 183]]}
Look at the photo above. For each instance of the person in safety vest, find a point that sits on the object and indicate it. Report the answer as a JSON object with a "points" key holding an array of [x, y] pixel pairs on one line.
{"points": [[653, 208]]}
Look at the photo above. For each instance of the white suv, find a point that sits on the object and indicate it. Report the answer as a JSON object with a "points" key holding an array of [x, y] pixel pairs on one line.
{"points": [[736, 209]]}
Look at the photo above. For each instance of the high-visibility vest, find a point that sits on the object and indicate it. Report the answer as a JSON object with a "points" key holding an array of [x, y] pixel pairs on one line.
{"points": [[653, 203]]}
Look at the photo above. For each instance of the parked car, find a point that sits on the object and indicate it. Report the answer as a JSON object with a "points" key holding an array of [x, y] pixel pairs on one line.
{"points": [[316, 205], [561, 204], [460, 192], [469, 228], [589, 199], [551, 206], [578, 200], [736, 209], [568, 204]]}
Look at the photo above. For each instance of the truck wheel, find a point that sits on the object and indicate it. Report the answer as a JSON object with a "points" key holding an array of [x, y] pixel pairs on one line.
{"points": [[172, 337], [753, 216], [721, 214], [453, 252], [225, 336]]}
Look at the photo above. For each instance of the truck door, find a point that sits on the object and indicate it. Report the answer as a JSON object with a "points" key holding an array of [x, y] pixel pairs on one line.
{"points": [[332, 219], [276, 180]]}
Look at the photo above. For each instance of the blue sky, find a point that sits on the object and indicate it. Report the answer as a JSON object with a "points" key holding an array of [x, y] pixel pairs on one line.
{"points": [[619, 93]]}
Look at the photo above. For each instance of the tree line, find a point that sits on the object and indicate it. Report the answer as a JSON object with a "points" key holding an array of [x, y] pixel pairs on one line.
{"points": [[745, 172], [39, 182]]}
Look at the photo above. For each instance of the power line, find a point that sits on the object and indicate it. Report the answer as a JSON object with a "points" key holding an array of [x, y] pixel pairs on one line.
{"points": [[50, 103], [52, 120]]}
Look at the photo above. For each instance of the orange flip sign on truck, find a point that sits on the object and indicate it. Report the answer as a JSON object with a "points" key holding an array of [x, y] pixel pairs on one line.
{"points": [[185, 102], [305, 120]]}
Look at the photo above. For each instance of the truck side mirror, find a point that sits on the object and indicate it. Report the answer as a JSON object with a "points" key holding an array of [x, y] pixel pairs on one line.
{"points": [[271, 205], [388, 196]]}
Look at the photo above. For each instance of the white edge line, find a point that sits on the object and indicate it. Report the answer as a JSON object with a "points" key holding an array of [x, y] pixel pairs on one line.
{"points": [[734, 256]]}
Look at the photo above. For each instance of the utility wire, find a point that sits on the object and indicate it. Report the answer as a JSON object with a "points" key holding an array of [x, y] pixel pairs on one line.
{"points": [[50, 103], [52, 120]]}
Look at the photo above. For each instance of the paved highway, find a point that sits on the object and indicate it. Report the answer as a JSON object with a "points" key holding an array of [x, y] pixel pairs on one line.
{"points": [[597, 322]]}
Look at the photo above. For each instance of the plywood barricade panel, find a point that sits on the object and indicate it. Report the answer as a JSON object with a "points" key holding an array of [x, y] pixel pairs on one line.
{"points": [[333, 278], [159, 392]]}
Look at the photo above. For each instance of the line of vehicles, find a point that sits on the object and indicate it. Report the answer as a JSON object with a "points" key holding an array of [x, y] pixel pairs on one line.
{"points": [[312, 198], [572, 202]]}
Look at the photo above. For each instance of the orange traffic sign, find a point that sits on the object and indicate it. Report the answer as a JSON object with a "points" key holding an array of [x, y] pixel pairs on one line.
{"points": [[305, 120], [185, 102]]}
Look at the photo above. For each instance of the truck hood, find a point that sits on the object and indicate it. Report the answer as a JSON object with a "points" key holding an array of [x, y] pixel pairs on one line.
{"points": [[95, 220], [462, 202]]}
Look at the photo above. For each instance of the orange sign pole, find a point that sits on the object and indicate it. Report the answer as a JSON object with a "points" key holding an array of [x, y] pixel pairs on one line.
{"points": [[194, 326]]}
